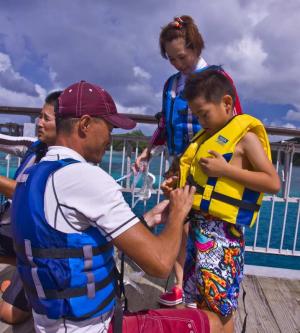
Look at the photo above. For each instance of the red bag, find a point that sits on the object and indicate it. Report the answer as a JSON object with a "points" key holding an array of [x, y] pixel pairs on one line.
{"points": [[165, 321]]}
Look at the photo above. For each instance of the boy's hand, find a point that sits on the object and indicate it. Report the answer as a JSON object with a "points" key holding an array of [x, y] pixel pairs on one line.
{"points": [[214, 166], [169, 185]]}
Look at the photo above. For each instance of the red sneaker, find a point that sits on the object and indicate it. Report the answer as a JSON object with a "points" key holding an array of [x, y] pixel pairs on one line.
{"points": [[171, 298]]}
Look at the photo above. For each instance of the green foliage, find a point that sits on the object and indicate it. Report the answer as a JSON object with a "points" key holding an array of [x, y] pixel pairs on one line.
{"points": [[134, 138]]}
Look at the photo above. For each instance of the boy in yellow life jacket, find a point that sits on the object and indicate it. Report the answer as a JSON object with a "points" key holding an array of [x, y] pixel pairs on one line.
{"points": [[229, 162]]}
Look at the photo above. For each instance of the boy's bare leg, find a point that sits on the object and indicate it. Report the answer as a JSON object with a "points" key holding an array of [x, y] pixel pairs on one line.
{"points": [[215, 324], [228, 324]]}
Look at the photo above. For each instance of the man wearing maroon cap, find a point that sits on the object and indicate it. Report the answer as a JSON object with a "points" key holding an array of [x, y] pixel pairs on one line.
{"points": [[67, 214]]}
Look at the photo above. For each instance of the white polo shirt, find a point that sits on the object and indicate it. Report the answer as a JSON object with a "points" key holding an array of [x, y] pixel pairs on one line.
{"points": [[76, 197], [80, 195]]}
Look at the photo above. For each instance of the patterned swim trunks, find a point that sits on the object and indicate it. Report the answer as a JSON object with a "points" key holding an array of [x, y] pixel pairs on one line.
{"points": [[214, 264]]}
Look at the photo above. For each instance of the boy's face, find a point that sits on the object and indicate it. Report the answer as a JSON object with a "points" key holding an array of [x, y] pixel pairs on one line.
{"points": [[212, 116]]}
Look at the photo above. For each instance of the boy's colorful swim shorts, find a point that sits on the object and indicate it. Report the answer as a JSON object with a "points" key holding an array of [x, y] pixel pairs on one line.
{"points": [[214, 264]]}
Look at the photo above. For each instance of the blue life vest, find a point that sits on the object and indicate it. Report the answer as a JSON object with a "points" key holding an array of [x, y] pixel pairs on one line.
{"points": [[181, 124], [33, 155], [65, 275]]}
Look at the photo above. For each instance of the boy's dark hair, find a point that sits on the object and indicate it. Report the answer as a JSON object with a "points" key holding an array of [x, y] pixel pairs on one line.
{"points": [[211, 84], [53, 97], [182, 27]]}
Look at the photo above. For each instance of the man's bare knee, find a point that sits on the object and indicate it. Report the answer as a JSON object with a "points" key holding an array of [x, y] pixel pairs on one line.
{"points": [[215, 323]]}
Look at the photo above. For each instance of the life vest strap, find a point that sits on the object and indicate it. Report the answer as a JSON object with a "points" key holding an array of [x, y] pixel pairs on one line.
{"points": [[72, 292], [222, 197], [236, 202], [107, 300], [62, 253]]}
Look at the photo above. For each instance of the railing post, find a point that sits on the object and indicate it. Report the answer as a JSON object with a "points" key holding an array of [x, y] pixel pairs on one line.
{"points": [[7, 157], [288, 159], [288, 166], [128, 152]]}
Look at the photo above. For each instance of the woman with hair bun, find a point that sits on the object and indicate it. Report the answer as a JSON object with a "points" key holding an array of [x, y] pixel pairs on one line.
{"points": [[181, 44]]}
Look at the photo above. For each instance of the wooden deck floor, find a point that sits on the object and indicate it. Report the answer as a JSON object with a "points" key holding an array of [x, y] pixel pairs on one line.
{"points": [[273, 305]]}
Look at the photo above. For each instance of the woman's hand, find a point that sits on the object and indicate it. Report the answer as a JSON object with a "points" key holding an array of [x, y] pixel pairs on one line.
{"points": [[141, 161]]}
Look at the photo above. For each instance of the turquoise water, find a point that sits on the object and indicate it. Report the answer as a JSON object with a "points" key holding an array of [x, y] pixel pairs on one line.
{"points": [[261, 259], [250, 258]]}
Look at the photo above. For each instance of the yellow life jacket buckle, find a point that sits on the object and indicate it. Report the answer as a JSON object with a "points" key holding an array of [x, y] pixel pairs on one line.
{"points": [[208, 189]]}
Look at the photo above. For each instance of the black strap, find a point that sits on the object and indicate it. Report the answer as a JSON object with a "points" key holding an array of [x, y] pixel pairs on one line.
{"points": [[144, 222], [72, 292], [121, 301], [167, 283], [118, 317], [235, 202], [3, 208], [62, 253], [190, 181], [121, 282], [224, 198]]}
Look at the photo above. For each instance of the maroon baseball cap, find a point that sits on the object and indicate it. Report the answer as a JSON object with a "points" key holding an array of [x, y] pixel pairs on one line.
{"points": [[84, 98]]}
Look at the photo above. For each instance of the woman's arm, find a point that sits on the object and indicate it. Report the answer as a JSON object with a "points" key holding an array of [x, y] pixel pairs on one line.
{"points": [[7, 186], [158, 138]]}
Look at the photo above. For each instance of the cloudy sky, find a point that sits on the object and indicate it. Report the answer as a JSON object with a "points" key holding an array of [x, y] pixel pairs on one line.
{"points": [[50, 44]]}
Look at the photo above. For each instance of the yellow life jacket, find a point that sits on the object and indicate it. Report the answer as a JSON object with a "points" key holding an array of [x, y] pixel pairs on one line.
{"points": [[222, 197]]}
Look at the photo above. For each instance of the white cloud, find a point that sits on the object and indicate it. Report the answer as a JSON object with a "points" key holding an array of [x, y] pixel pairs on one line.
{"points": [[52, 75], [277, 123], [131, 109], [13, 98], [41, 91], [5, 62], [258, 11], [257, 16], [12, 80], [293, 115], [254, 40], [248, 57], [16, 90], [141, 73]]}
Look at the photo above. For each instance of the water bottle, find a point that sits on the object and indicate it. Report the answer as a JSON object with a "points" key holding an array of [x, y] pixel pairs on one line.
{"points": [[144, 180], [148, 179]]}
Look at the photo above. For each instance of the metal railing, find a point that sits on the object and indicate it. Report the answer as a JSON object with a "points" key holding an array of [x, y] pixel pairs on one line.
{"points": [[277, 228]]}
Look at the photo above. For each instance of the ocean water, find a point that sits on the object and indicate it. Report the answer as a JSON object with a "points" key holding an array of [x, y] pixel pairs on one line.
{"points": [[262, 259]]}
